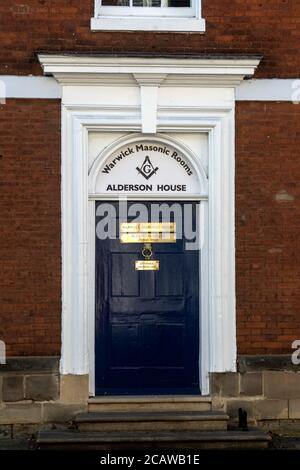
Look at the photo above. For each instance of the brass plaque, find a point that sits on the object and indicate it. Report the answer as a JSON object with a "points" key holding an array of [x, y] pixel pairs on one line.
{"points": [[147, 265], [143, 237], [155, 227]]}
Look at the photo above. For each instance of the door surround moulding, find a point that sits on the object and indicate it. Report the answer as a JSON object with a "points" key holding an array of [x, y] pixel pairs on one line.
{"points": [[218, 322], [218, 334], [149, 73]]}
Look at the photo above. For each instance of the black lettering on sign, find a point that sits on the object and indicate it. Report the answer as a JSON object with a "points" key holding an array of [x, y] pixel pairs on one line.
{"points": [[123, 154], [129, 187], [171, 187], [152, 148], [155, 148], [182, 163]]}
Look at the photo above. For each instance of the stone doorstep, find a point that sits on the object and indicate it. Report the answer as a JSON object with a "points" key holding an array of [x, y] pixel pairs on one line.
{"points": [[58, 436], [31, 413], [150, 399], [150, 403], [151, 416], [144, 440], [151, 421], [154, 426]]}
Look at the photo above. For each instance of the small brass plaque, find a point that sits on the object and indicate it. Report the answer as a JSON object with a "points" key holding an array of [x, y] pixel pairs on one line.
{"points": [[147, 265], [143, 237], [154, 227]]}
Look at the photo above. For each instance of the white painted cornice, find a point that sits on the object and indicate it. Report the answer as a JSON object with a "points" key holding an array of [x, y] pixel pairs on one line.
{"points": [[149, 79], [165, 71]]}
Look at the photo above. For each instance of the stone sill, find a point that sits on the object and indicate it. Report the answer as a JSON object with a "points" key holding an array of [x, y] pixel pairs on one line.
{"points": [[175, 25]]}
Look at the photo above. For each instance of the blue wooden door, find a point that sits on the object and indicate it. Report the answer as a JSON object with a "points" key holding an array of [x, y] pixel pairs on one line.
{"points": [[147, 322]]}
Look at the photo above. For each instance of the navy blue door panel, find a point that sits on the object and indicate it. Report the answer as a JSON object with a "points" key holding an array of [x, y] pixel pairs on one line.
{"points": [[147, 322]]}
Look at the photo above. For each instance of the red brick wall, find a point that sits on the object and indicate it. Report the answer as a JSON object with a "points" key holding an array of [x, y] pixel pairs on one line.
{"points": [[270, 28], [267, 226], [30, 288]]}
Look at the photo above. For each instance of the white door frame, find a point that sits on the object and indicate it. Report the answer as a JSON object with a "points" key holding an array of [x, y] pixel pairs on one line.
{"points": [[149, 95], [202, 196], [218, 325]]}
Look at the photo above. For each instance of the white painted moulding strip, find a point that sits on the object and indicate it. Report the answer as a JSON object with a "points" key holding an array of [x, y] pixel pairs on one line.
{"points": [[249, 90], [12, 86]]}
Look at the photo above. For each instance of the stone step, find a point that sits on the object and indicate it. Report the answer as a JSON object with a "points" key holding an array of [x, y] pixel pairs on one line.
{"points": [[118, 441], [118, 421], [150, 403]]}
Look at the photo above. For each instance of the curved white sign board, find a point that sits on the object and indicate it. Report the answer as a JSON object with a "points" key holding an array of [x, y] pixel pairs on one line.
{"points": [[147, 167]]}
